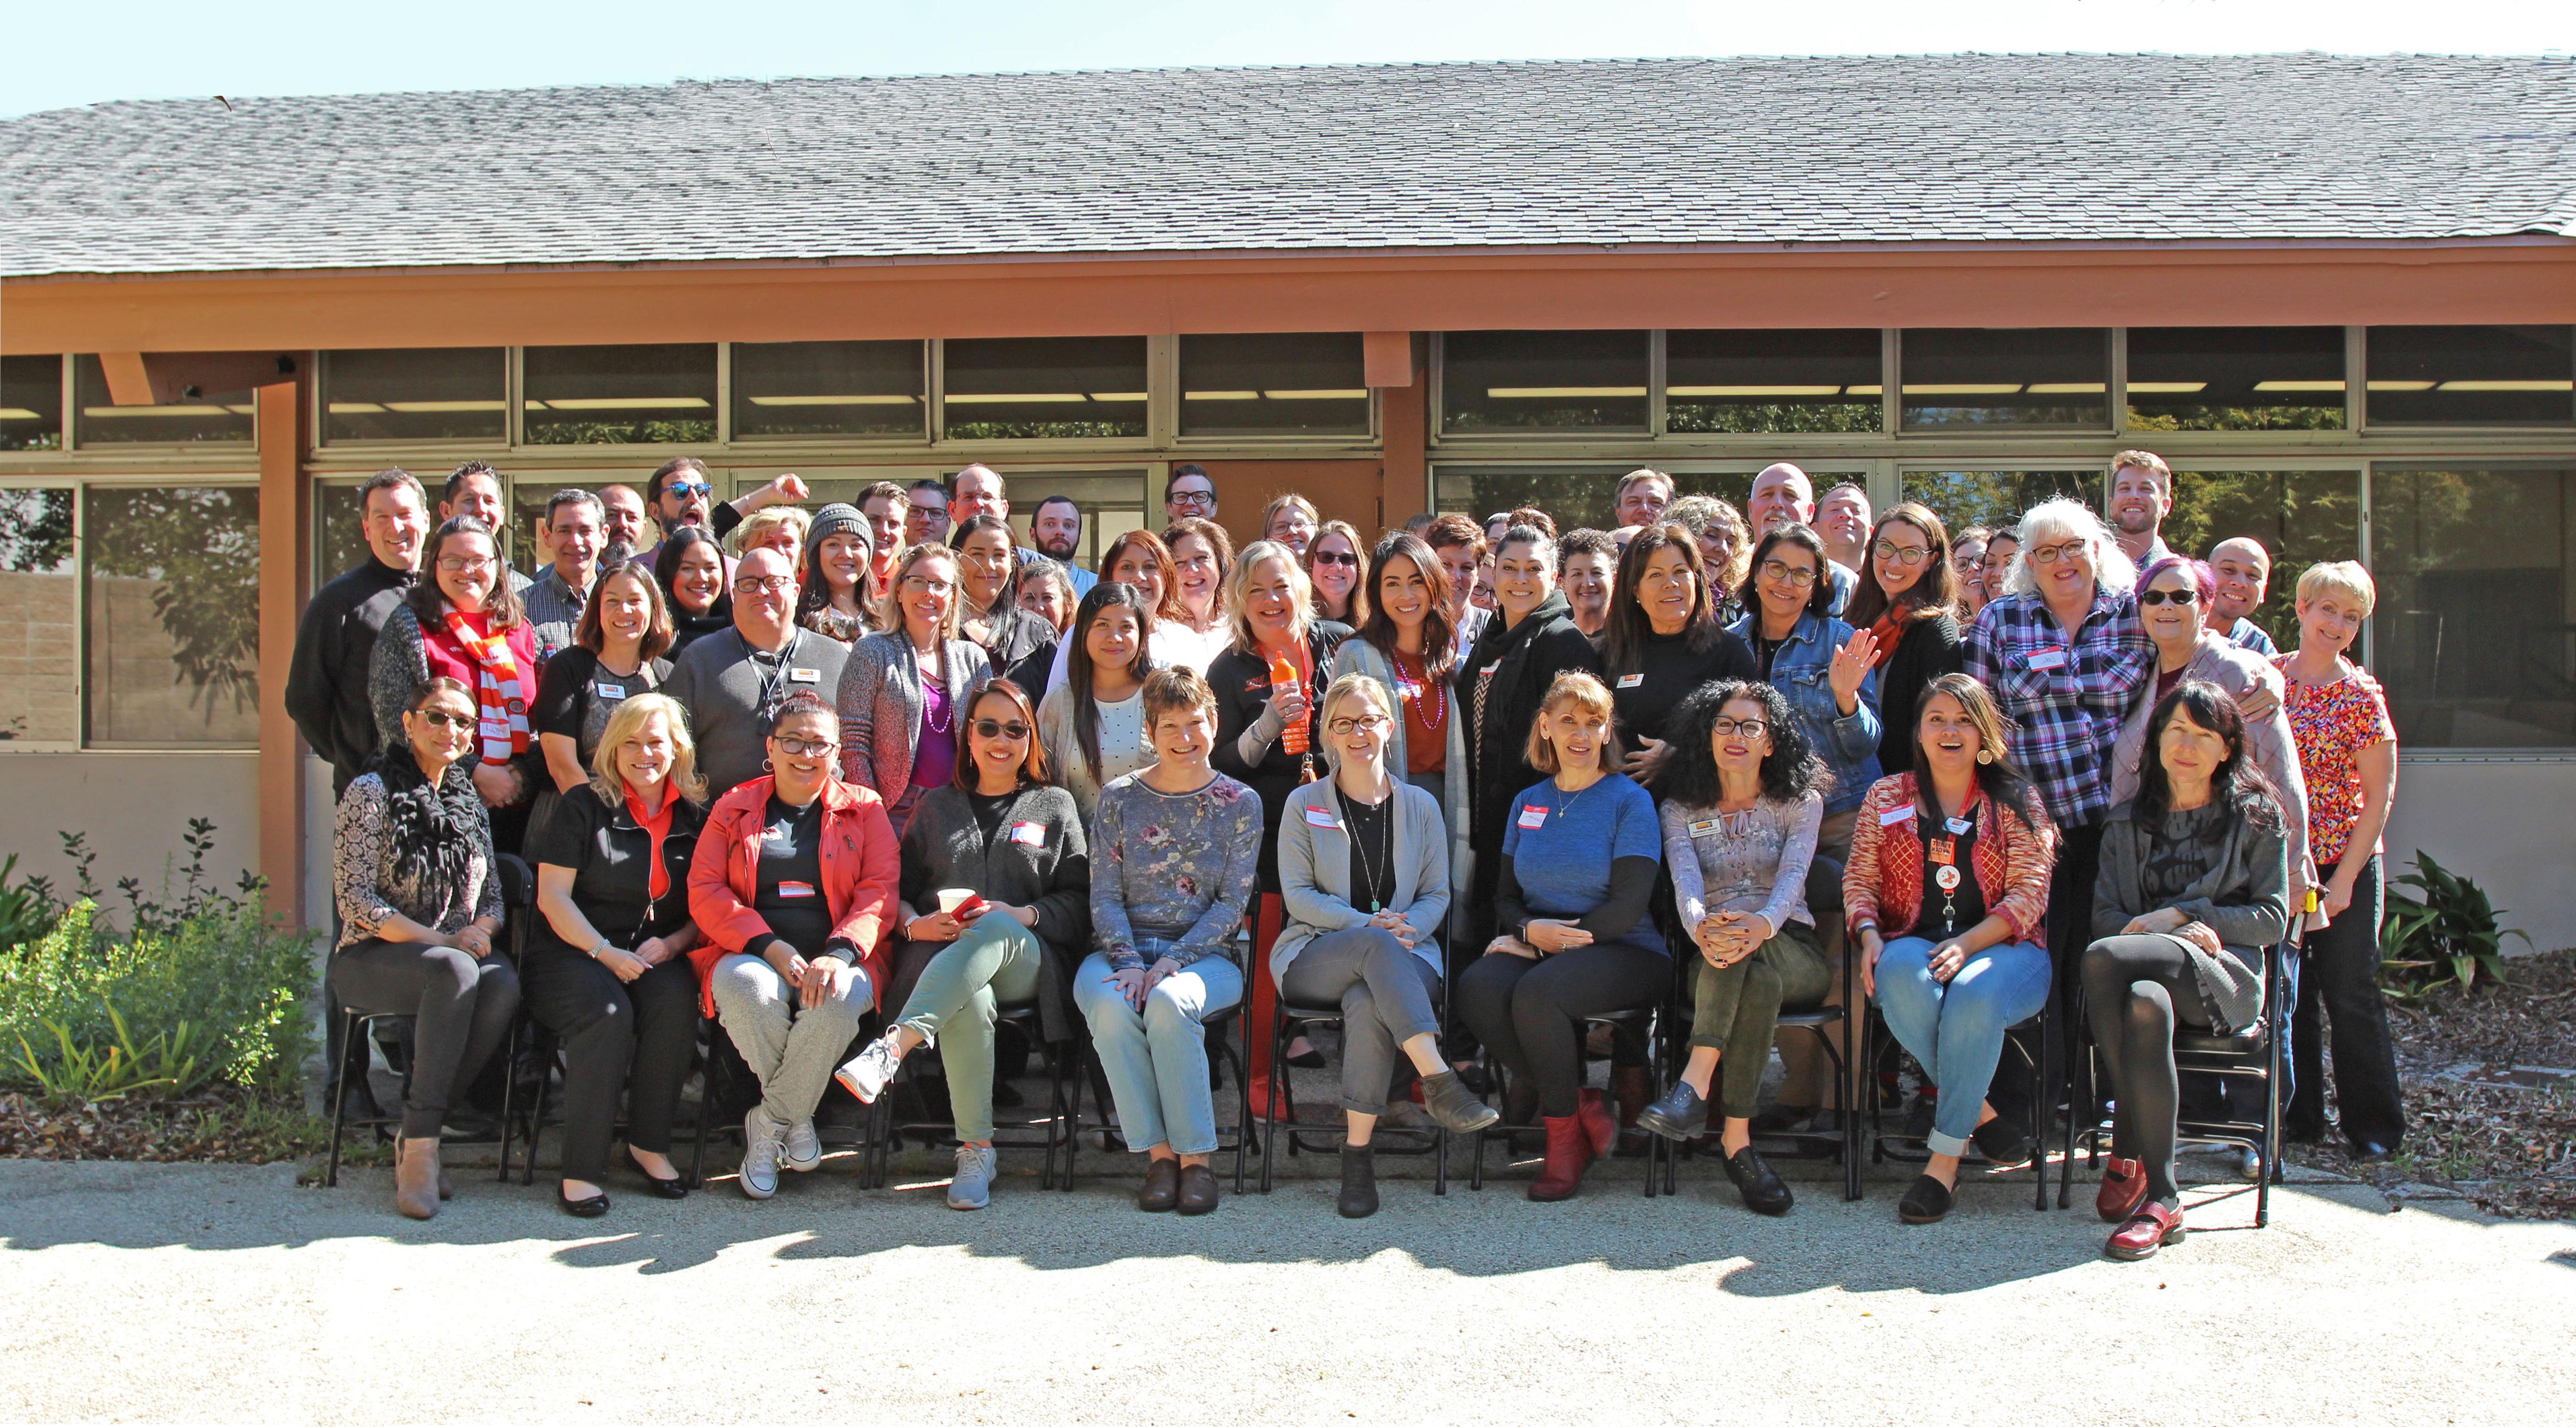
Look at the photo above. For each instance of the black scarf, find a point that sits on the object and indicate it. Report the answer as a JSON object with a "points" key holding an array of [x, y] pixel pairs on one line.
{"points": [[432, 829]]}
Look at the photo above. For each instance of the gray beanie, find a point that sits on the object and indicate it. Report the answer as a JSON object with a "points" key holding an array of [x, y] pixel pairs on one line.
{"points": [[838, 518]]}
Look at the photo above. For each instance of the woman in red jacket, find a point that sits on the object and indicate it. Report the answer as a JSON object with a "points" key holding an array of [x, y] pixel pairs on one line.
{"points": [[793, 889]]}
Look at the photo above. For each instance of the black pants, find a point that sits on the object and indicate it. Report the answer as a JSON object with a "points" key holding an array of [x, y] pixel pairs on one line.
{"points": [[2135, 989], [633, 1036], [1530, 1013], [2340, 982], [460, 1010]]}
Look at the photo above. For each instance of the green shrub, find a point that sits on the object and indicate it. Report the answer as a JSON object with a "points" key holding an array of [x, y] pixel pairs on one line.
{"points": [[27, 909], [2447, 937]]}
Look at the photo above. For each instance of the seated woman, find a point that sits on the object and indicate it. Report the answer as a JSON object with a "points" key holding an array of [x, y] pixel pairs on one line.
{"points": [[793, 888], [1174, 851], [607, 967], [1000, 832], [1094, 722], [2193, 885], [412, 873], [1743, 795], [1947, 892], [1577, 874], [1364, 872]]}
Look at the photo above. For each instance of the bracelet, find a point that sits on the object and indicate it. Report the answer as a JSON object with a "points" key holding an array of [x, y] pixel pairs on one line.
{"points": [[597, 949]]}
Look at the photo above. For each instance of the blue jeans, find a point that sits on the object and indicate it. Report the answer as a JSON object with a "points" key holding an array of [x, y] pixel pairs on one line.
{"points": [[1957, 1030], [1156, 1059]]}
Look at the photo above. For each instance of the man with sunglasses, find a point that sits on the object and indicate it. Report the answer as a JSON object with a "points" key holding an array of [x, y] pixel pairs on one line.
{"points": [[1189, 494], [731, 680], [682, 492]]}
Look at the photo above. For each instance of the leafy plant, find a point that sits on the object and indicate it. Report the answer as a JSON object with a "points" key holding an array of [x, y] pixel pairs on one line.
{"points": [[2447, 937], [27, 909], [91, 1073]]}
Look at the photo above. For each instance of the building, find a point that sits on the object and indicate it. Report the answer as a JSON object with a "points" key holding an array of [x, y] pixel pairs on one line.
{"points": [[2338, 293]]}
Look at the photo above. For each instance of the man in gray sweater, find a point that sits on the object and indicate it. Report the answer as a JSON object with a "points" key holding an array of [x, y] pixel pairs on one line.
{"points": [[729, 682]]}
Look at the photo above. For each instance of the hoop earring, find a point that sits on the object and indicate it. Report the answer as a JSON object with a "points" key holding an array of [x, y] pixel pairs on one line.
{"points": [[766, 768], [1985, 755]]}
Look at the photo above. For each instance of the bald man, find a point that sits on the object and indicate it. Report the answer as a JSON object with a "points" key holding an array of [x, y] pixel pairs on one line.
{"points": [[1782, 495], [2244, 571]]}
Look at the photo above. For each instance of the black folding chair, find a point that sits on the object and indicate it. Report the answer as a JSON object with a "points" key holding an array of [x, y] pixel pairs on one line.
{"points": [[1646, 1022], [518, 905], [1223, 1057], [357, 1028], [1284, 1021], [1056, 1127]]}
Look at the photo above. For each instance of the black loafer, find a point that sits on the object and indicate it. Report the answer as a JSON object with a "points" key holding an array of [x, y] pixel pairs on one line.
{"points": [[675, 1187], [1926, 1201], [590, 1208], [1679, 1115], [1763, 1191], [2003, 1143]]}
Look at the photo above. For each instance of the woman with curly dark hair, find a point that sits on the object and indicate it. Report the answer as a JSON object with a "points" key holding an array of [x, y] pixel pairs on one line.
{"points": [[1743, 796], [2193, 885]]}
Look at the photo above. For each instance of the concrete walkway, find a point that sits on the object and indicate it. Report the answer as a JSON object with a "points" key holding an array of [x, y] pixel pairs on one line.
{"points": [[164, 1292]]}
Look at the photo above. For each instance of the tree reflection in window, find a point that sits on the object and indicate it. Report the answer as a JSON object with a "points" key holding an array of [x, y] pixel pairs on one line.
{"points": [[39, 657], [173, 577]]}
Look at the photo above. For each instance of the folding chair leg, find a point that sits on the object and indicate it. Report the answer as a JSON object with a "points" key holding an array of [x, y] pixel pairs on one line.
{"points": [[510, 1097], [351, 1041]]}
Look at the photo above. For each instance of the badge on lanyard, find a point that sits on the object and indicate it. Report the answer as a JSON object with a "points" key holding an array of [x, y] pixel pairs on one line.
{"points": [[1958, 826], [804, 676], [1943, 851], [1948, 878], [1533, 814]]}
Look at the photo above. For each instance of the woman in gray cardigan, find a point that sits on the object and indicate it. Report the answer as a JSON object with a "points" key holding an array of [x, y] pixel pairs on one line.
{"points": [[2193, 886], [903, 688], [1364, 878]]}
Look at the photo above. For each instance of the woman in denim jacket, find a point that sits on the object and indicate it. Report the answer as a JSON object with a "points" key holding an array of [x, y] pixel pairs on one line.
{"points": [[1825, 669]]}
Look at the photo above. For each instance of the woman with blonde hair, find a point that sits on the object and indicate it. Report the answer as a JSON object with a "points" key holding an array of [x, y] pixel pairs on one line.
{"points": [[607, 968], [903, 687], [774, 527]]}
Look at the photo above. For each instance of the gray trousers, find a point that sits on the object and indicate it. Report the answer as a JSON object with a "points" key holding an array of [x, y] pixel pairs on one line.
{"points": [[793, 1049], [1385, 994], [460, 1009]]}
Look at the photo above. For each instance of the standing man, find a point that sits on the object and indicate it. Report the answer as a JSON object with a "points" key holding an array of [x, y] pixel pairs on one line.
{"points": [[576, 523], [729, 681], [1459, 546], [1057, 529], [889, 515], [1842, 518], [682, 493], [621, 520], [2141, 494], [1782, 495], [1189, 493], [977, 490], [1641, 496], [2244, 571], [925, 517], [475, 489]]}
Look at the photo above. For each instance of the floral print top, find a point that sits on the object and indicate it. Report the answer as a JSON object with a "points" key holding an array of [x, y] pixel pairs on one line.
{"points": [[1173, 868], [373, 877], [2331, 724]]}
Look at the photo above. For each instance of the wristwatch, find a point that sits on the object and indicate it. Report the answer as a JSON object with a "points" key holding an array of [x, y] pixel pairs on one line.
{"points": [[596, 950]]}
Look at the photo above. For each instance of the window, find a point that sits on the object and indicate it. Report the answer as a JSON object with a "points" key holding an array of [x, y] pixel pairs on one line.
{"points": [[2006, 377], [173, 590], [788, 389], [1994, 499], [1274, 384], [1035, 388], [2236, 379], [191, 416], [1543, 381], [1764, 381], [662, 394], [339, 542], [39, 684], [2472, 376], [2299, 518], [426, 394], [1578, 497], [31, 403], [2473, 636]]}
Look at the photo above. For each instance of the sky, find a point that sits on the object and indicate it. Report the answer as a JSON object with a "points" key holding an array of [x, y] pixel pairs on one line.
{"points": [[151, 49]]}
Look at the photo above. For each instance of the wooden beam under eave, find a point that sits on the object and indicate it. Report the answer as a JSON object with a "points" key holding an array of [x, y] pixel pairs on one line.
{"points": [[129, 382], [284, 520], [1388, 358]]}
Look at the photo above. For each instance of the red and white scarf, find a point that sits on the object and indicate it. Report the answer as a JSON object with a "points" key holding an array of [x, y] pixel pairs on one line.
{"points": [[500, 690]]}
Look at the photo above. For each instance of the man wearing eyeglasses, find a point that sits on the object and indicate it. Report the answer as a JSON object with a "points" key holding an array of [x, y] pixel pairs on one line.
{"points": [[683, 493], [925, 515], [729, 681], [1189, 494]]}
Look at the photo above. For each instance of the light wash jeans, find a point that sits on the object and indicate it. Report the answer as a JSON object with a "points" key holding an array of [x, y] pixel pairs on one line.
{"points": [[792, 1049], [1957, 1030], [1156, 1059]]}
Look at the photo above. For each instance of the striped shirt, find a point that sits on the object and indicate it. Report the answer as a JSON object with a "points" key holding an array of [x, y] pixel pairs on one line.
{"points": [[2064, 698]]}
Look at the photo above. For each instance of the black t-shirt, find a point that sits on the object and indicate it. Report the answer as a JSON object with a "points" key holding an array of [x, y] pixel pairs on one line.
{"points": [[576, 697], [1370, 830], [790, 892], [612, 877], [988, 812], [1948, 911], [1668, 671]]}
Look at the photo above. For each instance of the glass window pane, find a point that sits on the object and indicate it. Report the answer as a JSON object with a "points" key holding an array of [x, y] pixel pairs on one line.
{"points": [[39, 675], [2236, 379], [829, 389], [173, 615], [2006, 376], [1029, 388], [1274, 384], [1577, 497], [662, 393], [420, 394], [2472, 376], [338, 542], [2299, 518], [1826, 379], [1543, 381], [2472, 636], [31, 403], [206, 416], [1994, 499]]}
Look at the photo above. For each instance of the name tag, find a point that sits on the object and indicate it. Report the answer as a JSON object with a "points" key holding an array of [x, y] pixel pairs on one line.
{"points": [[804, 676], [1958, 826], [2048, 659], [1533, 815], [1319, 817], [1029, 834], [1893, 816], [796, 889], [1707, 827], [606, 690], [1630, 681]]}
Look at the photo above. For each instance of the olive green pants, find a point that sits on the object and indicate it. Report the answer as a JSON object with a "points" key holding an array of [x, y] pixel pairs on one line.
{"points": [[1736, 1010], [993, 961]]}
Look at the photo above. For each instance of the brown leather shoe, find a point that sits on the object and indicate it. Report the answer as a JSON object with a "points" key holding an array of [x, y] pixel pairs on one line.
{"points": [[416, 1178], [1162, 1186], [2124, 1188], [2151, 1228], [1569, 1153], [1198, 1189]]}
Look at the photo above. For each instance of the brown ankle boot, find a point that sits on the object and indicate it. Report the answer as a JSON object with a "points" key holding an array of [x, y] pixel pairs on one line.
{"points": [[1569, 1153], [1628, 1083], [416, 1178]]}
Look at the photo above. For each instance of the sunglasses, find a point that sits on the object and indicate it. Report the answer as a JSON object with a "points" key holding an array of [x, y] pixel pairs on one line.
{"points": [[687, 488], [2155, 597], [438, 718], [1336, 557], [995, 728]]}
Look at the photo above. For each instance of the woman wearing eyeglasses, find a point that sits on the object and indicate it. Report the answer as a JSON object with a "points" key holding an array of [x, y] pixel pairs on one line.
{"points": [[1291, 520], [463, 623], [1000, 832], [1335, 567], [1095, 720], [1826, 669], [902, 689], [793, 890], [1907, 599]]}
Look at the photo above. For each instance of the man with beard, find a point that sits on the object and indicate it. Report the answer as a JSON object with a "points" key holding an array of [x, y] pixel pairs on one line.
{"points": [[1057, 530], [2141, 494]]}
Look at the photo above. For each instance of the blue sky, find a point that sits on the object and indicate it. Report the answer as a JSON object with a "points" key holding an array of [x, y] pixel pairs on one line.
{"points": [[71, 54]]}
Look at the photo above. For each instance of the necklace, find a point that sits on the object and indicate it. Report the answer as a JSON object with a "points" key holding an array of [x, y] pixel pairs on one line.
{"points": [[1373, 869]]}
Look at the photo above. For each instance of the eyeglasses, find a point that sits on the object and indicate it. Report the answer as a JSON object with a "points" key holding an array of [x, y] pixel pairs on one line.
{"points": [[919, 585], [465, 564], [1794, 579], [1370, 723], [1207, 497], [1749, 727], [2152, 597], [803, 747], [2051, 554], [754, 584], [438, 718], [687, 488], [1907, 555], [1334, 557], [995, 728]]}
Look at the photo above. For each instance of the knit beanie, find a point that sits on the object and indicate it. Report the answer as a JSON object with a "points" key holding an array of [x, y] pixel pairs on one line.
{"points": [[838, 518]]}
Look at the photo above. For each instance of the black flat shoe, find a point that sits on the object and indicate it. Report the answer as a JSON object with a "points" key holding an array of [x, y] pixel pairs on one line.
{"points": [[1308, 1059], [1763, 1191], [675, 1187], [1680, 1115], [590, 1208], [2003, 1143], [1926, 1201]]}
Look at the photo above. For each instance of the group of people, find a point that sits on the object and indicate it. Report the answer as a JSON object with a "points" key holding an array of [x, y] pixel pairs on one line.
{"points": [[849, 782]]}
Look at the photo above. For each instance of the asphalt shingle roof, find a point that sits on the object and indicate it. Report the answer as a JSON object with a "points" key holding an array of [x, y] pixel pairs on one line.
{"points": [[2102, 148]]}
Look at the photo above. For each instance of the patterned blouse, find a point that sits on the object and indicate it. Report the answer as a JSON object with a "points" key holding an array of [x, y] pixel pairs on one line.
{"points": [[372, 879], [1173, 869], [1752, 861], [2332, 724]]}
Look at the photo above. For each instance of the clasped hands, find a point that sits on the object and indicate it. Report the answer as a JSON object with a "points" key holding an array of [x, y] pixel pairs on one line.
{"points": [[2173, 923], [1725, 938]]}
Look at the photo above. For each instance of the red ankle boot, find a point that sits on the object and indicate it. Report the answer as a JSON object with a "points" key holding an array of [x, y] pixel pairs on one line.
{"points": [[1593, 1112], [1569, 1153]]}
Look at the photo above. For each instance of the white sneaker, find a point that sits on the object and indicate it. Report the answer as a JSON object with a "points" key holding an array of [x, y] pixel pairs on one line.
{"points": [[973, 1186], [761, 1141], [804, 1149], [866, 1074], [2249, 1165]]}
